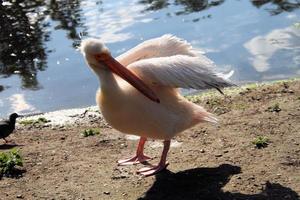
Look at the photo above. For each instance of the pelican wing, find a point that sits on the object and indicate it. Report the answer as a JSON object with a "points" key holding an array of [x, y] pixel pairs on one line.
{"points": [[166, 45], [180, 71]]}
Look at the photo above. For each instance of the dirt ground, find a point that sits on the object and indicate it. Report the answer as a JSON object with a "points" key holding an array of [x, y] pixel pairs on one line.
{"points": [[206, 162]]}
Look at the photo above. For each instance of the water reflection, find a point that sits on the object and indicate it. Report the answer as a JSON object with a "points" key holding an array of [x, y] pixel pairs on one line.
{"points": [[20, 104], [189, 6], [277, 7], [263, 49], [25, 29], [109, 26], [38, 34], [155, 4], [67, 13], [22, 35]]}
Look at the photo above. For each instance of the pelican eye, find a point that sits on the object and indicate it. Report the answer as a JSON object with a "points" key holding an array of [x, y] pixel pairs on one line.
{"points": [[102, 56]]}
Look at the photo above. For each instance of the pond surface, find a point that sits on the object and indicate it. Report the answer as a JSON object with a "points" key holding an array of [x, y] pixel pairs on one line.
{"points": [[42, 70]]}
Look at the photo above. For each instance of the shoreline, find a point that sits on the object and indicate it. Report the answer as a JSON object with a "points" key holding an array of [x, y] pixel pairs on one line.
{"points": [[207, 161], [79, 116]]}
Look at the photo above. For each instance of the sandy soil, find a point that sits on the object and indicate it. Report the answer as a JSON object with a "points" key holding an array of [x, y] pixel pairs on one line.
{"points": [[206, 162]]}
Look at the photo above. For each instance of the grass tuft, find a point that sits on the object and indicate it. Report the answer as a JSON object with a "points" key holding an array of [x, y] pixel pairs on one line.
{"points": [[38, 121], [297, 25], [261, 142], [90, 132], [9, 160]]}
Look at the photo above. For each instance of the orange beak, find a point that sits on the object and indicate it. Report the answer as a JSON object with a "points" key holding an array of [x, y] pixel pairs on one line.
{"points": [[127, 75]]}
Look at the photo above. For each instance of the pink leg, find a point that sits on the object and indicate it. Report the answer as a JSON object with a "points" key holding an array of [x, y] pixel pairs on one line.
{"points": [[139, 158], [148, 171]]}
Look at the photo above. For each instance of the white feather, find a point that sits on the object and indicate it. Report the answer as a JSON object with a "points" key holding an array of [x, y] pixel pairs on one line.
{"points": [[164, 46], [180, 71], [228, 75], [172, 62]]}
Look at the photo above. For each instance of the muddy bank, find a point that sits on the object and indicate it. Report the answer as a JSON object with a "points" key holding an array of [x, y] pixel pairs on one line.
{"points": [[206, 162]]}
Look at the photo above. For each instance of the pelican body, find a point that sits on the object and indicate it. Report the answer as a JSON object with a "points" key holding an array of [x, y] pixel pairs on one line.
{"points": [[126, 106], [139, 94]]}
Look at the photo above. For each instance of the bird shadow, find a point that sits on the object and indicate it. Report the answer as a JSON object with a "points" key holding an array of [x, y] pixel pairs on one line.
{"points": [[207, 184], [15, 173], [9, 146]]}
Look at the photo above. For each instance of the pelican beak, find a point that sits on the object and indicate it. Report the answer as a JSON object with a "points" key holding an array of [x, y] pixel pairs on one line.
{"points": [[127, 75]]}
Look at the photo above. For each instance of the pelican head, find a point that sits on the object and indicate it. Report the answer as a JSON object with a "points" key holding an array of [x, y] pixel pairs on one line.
{"points": [[99, 59], [93, 49]]}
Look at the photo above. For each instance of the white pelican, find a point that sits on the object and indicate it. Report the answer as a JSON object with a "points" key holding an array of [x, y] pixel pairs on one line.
{"points": [[138, 90]]}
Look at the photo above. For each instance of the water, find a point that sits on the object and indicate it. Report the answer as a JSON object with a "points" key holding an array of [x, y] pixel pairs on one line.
{"points": [[42, 70]]}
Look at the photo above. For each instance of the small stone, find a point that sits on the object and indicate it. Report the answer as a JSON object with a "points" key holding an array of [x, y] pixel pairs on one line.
{"points": [[218, 155], [19, 196], [285, 90], [106, 192], [123, 145], [202, 150]]}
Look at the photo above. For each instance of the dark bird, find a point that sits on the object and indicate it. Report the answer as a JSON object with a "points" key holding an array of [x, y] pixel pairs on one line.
{"points": [[8, 126]]}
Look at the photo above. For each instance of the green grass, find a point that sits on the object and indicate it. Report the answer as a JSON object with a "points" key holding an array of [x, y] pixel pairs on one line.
{"points": [[90, 132], [296, 25], [27, 122], [40, 120], [240, 106], [43, 120], [9, 160], [261, 142], [213, 102], [93, 109], [232, 91]]}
